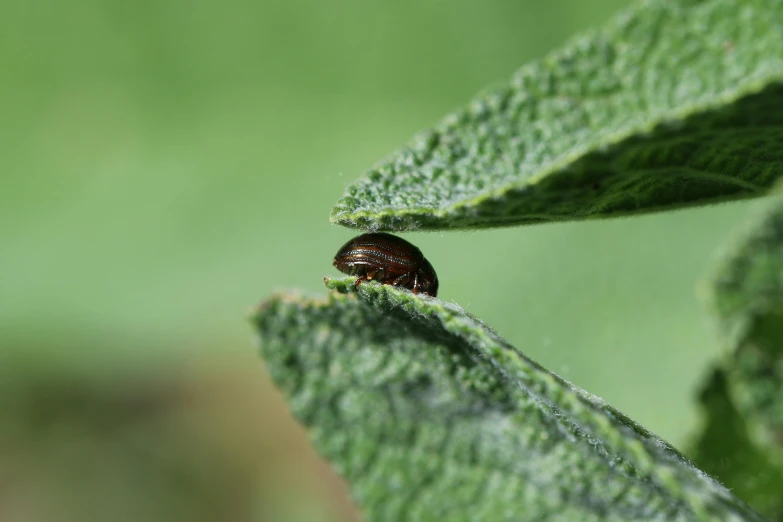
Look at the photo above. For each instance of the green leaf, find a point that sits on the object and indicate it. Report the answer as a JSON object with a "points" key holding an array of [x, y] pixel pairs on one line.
{"points": [[674, 103], [429, 415], [745, 293], [724, 448], [747, 299]]}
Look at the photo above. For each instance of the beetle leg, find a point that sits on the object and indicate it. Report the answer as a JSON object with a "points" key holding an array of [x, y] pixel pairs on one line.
{"points": [[401, 281], [375, 275], [416, 282], [360, 280], [396, 281]]}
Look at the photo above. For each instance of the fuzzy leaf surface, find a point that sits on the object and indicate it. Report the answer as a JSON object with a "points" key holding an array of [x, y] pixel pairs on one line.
{"points": [[673, 103], [429, 414]]}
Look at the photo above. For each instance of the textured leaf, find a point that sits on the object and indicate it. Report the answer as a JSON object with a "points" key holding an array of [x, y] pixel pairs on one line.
{"points": [[746, 296], [431, 415], [674, 103]]}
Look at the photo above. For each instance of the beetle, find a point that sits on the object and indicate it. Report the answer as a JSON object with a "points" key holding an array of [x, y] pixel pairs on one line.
{"points": [[389, 260]]}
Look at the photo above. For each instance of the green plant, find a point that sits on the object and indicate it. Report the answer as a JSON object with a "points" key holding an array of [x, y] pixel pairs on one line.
{"points": [[429, 413]]}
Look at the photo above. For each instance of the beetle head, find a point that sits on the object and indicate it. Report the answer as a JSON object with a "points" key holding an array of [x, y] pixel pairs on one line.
{"points": [[427, 280]]}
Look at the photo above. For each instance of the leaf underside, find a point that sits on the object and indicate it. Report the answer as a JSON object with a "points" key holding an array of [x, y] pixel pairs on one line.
{"points": [[745, 397], [673, 103], [428, 413]]}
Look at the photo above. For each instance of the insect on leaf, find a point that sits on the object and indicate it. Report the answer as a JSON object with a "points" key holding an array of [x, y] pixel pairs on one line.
{"points": [[429, 414]]}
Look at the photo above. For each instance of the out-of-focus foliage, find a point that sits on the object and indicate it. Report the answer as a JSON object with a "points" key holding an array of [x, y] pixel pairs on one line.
{"points": [[159, 440], [742, 442], [747, 299], [724, 448], [663, 107]]}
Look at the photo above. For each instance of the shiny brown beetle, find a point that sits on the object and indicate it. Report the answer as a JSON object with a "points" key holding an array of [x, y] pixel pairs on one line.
{"points": [[389, 260]]}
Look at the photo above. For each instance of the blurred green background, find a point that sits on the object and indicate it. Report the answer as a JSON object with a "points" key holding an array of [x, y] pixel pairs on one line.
{"points": [[166, 165]]}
